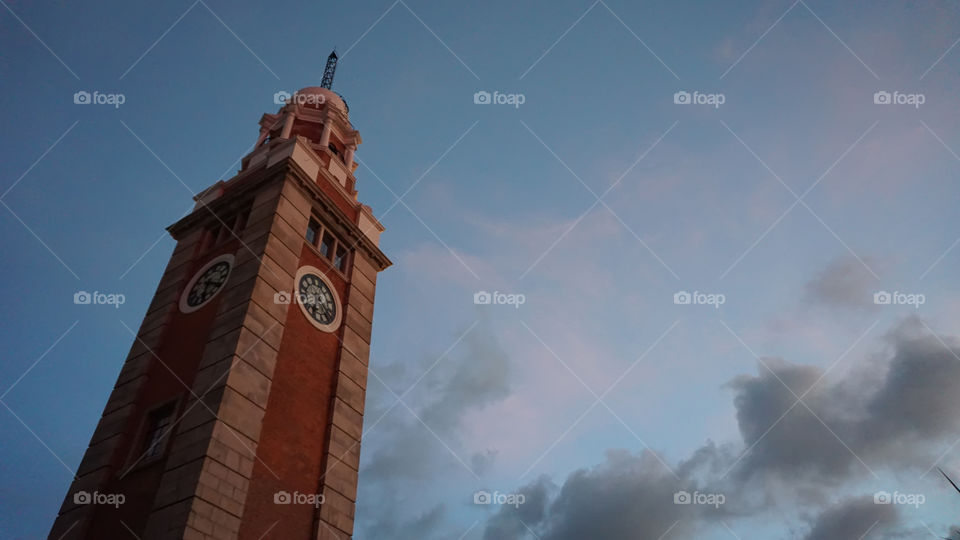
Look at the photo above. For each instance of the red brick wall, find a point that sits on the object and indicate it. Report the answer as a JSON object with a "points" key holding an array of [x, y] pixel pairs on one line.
{"points": [[181, 356], [294, 433], [338, 198]]}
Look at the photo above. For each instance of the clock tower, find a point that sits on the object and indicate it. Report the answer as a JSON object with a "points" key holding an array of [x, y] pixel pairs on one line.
{"points": [[238, 412]]}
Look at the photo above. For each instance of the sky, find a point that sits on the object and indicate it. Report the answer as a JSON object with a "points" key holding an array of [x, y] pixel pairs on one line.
{"points": [[792, 166]]}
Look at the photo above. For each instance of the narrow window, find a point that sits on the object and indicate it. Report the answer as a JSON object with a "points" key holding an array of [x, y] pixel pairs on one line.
{"points": [[158, 427], [215, 232], [240, 222], [336, 152], [313, 231], [223, 234], [326, 245], [340, 259]]}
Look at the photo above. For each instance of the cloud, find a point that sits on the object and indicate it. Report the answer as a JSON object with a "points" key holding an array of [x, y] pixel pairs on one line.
{"points": [[481, 462], [893, 413], [626, 496], [408, 452], [784, 436], [854, 518], [457, 385], [421, 527], [919, 396], [844, 283], [514, 522]]}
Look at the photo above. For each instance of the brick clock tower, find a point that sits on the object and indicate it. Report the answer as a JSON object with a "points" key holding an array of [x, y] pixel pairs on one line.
{"points": [[238, 412]]}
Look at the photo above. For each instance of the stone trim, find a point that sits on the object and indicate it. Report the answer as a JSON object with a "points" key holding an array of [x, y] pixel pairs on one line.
{"points": [[342, 456], [203, 490]]}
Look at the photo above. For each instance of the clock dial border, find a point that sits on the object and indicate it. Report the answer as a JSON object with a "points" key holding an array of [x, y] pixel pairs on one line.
{"points": [[185, 307], [338, 306]]}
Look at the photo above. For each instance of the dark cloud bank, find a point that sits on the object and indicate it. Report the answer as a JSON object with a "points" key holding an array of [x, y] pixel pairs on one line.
{"points": [[898, 411], [895, 412]]}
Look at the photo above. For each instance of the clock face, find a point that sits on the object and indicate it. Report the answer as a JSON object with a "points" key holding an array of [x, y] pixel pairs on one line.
{"points": [[317, 299], [206, 283]]}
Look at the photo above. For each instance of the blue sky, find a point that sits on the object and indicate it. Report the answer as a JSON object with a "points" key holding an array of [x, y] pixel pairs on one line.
{"points": [[503, 198]]}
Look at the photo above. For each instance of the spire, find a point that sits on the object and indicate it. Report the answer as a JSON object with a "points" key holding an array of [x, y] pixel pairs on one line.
{"points": [[328, 71]]}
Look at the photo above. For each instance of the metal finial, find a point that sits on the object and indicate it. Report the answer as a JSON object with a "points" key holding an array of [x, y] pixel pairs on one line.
{"points": [[329, 71]]}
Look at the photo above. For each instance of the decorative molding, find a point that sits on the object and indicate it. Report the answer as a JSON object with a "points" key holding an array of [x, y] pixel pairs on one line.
{"points": [[251, 181]]}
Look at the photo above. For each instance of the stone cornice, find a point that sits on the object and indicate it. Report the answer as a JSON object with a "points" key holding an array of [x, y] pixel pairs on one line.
{"points": [[346, 226], [245, 184]]}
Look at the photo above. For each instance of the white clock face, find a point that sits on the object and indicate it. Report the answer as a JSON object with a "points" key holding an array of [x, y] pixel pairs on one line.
{"points": [[317, 298], [206, 283]]}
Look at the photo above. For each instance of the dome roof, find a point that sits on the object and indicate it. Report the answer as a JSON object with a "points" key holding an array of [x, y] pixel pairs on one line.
{"points": [[315, 95]]}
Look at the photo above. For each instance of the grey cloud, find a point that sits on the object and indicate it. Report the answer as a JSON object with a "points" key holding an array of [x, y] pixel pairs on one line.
{"points": [[854, 518], [514, 522], [627, 496], [472, 378], [892, 412], [845, 283], [792, 443], [895, 412], [919, 397], [422, 527], [479, 379], [481, 462], [475, 374]]}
